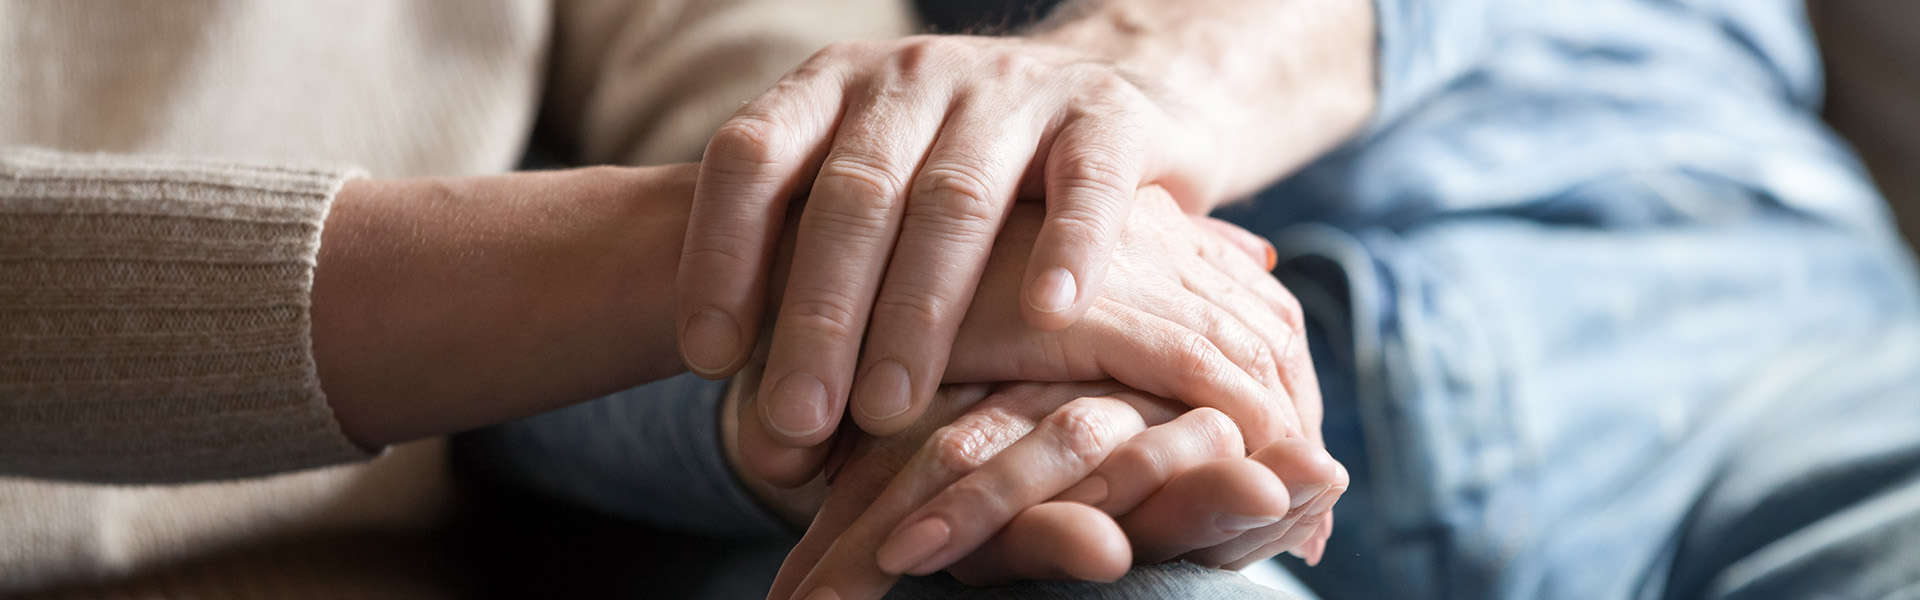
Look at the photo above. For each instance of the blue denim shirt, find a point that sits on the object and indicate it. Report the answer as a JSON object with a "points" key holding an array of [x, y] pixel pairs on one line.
{"points": [[1587, 250], [1582, 253]]}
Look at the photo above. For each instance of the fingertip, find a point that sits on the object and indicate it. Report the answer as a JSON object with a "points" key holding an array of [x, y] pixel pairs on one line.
{"points": [[884, 402], [1319, 550], [1053, 291], [1108, 557], [711, 343], [1055, 298], [1252, 489], [797, 410], [1060, 539]]}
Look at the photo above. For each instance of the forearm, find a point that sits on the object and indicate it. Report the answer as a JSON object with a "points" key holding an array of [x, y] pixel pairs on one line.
{"points": [[1276, 82], [445, 304]]}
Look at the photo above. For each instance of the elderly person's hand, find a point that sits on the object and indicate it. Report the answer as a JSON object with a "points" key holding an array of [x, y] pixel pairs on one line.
{"points": [[1190, 314], [911, 152], [1033, 481]]}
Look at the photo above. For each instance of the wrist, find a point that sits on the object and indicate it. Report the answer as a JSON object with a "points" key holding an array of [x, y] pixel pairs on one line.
{"points": [[445, 304], [1299, 74]]}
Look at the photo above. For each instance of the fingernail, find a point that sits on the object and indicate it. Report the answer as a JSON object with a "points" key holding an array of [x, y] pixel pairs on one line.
{"points": [[710, 341], [885, 391], [1238, 523], [1304, 496], [1091, 491], [913, 545], [798, 407], [823, 593], [1053, 291], [1273, 257], [1322, 503]]}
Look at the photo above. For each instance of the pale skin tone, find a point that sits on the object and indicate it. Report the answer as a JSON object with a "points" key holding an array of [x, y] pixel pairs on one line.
{"points": [[914, 528], [911, 153], [446, 304]]}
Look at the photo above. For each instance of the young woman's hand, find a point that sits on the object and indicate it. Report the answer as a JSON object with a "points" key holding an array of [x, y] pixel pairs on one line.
{"points": [[1190, 314]]}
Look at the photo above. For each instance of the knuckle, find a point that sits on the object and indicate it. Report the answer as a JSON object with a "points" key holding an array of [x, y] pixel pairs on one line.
{"points": [[1080, 226], [1108, 88], [1096, 168], [916, 52], [1101, 79], [1014, 64], [957, 194], [819, 314], [746, 143], [722, 252], [958, 450], [1220, 435], [863, 176], [1140, 461], [977, 497], [1266, 362], [1084, 430], [838, 49], [1199, 367], [1290, 310], [915, 307]]}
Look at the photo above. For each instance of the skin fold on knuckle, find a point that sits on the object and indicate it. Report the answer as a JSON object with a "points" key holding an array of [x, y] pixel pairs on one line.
{"points": [[904, 307], [1217, 434], [1093, 170], [1086, 431], [1200, 365], [746, 146], [716, 250], [958, 449], [864, 170], [1139, 461], [958, 194], [1080, 226], [920, 55], [817, 314]]}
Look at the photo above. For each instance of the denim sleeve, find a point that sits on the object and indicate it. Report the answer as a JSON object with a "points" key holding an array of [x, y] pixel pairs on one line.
{"points": [[650, 454], [1425, 46]]}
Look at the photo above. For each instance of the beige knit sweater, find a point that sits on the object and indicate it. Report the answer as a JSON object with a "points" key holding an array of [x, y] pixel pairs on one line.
{"points": [[165, 168]]}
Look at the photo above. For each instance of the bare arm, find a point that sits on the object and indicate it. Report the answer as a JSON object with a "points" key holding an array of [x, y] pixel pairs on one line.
{"points": [[445, 304]]}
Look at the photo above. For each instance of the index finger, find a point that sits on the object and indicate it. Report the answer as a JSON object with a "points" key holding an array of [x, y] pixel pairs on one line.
{"points": [[754, 163]]}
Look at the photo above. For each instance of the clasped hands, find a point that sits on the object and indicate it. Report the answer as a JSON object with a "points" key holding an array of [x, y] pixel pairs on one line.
{"points": [[910, 267], [1027, 480]]}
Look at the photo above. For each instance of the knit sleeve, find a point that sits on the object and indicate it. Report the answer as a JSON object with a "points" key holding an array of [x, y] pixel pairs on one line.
{"points": [[154, 318], [647, 82]]}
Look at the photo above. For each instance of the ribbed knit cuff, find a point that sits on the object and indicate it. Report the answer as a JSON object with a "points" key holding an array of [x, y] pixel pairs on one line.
{"points": [[154, 321]]}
